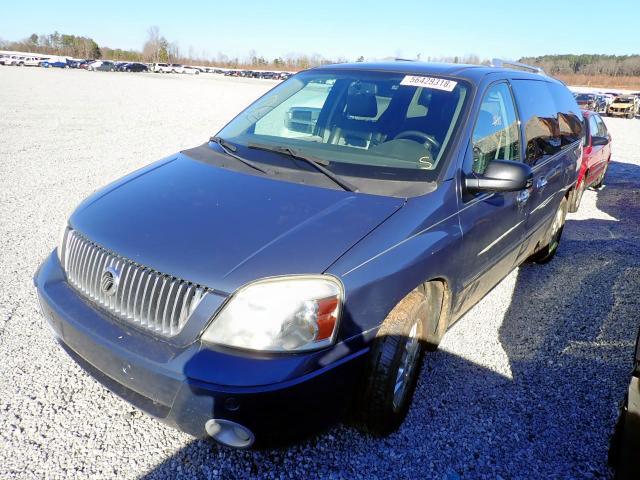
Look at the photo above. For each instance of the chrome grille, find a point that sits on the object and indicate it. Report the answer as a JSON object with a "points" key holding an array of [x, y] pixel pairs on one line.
{"points": [[144, 297]]}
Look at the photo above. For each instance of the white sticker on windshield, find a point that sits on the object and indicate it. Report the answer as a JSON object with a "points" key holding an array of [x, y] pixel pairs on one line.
{"points": [[429, 82]]}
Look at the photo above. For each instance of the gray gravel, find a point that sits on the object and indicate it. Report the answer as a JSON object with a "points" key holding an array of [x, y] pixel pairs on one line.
{"points": [[526, 385]]}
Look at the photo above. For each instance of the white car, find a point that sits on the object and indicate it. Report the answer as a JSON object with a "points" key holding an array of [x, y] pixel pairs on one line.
{"points": [[190, 70], [161, 68], [93, 65], [12, 60], [177, 68], [32, 61]]}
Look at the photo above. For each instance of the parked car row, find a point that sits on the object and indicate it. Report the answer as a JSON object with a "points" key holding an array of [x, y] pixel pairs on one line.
{"points": [[258, 74], [610, 104], [50, 61]]}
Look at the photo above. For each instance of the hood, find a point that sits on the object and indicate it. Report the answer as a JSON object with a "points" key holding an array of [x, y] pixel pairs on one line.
{"points": [[221, 228]]}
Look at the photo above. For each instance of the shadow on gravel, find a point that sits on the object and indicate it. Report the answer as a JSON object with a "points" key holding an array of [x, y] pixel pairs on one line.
{"points": [[549, 419]]}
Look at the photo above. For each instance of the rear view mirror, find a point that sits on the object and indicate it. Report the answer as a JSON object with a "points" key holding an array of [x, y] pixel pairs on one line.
{"points": [[302, 119], [599, 141], [500, 176]]}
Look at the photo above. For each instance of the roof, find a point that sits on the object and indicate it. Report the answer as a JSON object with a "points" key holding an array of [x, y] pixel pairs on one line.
{"points": [[470, 72]]}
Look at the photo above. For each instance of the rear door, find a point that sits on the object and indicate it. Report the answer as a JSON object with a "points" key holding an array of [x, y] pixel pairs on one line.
{"points": [[594, 151], [552, 131], [605, 150], [492, 223]]}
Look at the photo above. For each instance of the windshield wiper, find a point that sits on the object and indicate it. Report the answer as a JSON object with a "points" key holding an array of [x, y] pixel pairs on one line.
{"points": [[314, 162], [229, 148]]}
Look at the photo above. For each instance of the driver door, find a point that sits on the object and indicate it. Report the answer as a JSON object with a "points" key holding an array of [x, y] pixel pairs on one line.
{"points": [[493, 224]]}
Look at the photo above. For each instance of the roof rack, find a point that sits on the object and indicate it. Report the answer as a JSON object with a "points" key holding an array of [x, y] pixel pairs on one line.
{"points": [[499, 63]]}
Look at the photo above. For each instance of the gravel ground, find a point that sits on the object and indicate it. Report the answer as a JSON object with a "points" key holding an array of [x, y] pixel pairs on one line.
{"points": [[526, 385]]}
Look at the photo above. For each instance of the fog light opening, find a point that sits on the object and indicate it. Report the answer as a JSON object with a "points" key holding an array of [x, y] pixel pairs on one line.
{"points": [[229, 433]]}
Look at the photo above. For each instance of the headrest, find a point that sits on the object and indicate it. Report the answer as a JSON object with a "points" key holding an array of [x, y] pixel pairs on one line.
{"points": [[438, 98], [361, 100]]}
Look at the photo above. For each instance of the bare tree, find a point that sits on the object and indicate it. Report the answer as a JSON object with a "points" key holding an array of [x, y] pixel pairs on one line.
{"points": [[174, 52], [151, 48]]}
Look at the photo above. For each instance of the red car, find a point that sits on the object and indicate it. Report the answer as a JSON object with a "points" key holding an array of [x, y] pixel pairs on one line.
{"points": [[595, 157]]}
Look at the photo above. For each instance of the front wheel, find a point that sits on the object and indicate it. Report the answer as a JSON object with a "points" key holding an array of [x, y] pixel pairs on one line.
{"points": [[546, 253], [394, 364]]}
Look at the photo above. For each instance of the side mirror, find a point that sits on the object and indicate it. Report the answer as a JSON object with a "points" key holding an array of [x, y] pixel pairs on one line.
{"points": [[599, 141], [500, 176]]}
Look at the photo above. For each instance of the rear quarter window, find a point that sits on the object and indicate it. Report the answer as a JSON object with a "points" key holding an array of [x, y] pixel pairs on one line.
{"points": [[570, 120], [539, 117]]}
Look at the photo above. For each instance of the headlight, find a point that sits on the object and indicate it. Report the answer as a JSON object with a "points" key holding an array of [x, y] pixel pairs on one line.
{"points": [[280, 314], [62, 240]]}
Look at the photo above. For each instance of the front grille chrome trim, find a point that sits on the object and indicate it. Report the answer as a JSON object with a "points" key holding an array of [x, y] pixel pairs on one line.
{"points": [[145, 298]]}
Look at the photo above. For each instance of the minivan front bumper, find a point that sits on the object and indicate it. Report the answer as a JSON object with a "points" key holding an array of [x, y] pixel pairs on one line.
{"points": [[186, 386]]}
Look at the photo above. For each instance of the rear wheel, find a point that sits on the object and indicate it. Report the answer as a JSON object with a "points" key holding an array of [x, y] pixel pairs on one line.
{"points": [[546, 253], [394, 365], [600, 181], [576, 195]]}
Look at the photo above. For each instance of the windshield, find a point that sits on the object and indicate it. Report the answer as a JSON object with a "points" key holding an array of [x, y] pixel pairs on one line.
{"points": [[623, 100], [381, 125], [584, 98]]}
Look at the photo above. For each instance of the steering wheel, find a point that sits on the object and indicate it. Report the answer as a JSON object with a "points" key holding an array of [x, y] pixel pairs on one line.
{"points": [[423, 137]]}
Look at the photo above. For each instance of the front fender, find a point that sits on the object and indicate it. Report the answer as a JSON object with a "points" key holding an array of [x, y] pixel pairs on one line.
{"points": [[419, 243]]}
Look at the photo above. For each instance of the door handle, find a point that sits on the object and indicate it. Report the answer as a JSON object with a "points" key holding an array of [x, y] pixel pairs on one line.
{"points": [[522, 197], [541, 183]]}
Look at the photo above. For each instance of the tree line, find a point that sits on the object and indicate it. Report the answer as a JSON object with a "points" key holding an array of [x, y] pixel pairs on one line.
{"points": [[56, 44], [158, 49], [588, 64]]}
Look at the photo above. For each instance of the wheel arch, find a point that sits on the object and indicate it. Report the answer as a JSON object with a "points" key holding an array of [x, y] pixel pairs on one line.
{"points": [[437, 318]]}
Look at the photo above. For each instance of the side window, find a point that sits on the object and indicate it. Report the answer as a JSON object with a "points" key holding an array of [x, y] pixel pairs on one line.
{"points": [[496, 135], [602, 128], [569, 115], [593, 126], [539, 116]]}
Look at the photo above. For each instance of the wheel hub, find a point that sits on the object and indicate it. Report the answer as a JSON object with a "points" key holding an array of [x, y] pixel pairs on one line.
{"points": [[407, 365]]}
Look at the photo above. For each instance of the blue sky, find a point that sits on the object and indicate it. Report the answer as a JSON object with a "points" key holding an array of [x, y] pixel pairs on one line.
{"points": [[343, 28]]}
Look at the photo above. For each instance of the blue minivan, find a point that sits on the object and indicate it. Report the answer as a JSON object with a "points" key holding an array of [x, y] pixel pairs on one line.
{"points": [[296, 266]]}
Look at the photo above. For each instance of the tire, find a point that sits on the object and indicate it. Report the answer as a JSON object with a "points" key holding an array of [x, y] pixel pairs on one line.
{"points": [[546, 253], [576, 195], [630, 116], [600, 181], [393, 367]]}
